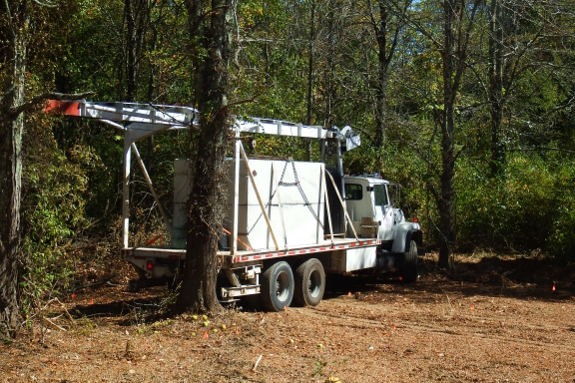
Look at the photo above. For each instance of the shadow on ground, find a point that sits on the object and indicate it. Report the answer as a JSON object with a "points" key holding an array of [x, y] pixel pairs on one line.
{"points": [[489, 276], [132, 310], [519, 277]]}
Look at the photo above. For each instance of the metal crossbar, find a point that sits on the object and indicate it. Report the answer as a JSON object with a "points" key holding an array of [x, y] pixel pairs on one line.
{"points": [[154, 118]]}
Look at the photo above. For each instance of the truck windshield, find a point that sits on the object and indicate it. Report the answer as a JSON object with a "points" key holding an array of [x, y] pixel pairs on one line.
{"points": [[380, 195]]}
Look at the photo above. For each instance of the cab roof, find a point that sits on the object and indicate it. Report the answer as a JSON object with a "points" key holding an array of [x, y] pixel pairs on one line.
{"points": [[371, 178]]}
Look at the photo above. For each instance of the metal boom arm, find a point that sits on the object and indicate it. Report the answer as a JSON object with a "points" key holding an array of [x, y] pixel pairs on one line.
{"points": [[142, 120], [139, 121]]}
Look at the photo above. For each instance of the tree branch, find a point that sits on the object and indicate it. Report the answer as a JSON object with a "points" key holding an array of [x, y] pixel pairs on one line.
{"points": [[9, 18], [47, 5], [459, 153], [234, 104]]}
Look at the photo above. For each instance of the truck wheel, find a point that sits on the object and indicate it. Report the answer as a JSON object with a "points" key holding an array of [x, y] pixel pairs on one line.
{"points": [[408, 273], [277, 287], [309, 283]]}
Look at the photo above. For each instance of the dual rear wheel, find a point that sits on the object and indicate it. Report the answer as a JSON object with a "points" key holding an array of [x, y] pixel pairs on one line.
{"points": [[280, 285]]}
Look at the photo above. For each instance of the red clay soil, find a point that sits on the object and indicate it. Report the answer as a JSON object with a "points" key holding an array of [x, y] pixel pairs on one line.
{"points": [[497, 320]]}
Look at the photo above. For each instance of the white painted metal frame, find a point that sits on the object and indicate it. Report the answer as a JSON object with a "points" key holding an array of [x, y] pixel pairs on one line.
{"points": [[141, 121]]}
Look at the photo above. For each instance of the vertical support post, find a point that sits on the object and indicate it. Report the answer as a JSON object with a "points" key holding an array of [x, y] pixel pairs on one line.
{"points": [[234, 239], [277, 185], [346, 221], [126, 192], [328, 210], [340, 164], [322, 189]]}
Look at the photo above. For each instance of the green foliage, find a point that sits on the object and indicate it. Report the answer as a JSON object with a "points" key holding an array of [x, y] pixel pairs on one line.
{"points": [[53, 210], [529, 208], [55, 194]]}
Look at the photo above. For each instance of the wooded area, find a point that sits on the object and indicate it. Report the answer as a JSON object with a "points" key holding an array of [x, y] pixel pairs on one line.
{"points": [[466, 104]]}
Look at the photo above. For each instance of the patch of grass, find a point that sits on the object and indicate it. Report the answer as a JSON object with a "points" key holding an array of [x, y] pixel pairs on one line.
{"points": [[317, 371]]}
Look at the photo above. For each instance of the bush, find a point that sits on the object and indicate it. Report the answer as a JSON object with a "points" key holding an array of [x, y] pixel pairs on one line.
{"points": [[53, 209], [530, 207]]}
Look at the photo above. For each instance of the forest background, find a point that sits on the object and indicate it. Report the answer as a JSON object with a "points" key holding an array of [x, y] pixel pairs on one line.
{"points": [[467, 105]]}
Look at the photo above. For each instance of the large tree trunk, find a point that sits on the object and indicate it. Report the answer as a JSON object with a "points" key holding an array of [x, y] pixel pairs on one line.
{"points": [[198, 292], [11, 128], [458, 22]]}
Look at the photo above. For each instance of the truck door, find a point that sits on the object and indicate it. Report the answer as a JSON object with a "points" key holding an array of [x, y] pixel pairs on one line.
{"points": [[383, 212]]}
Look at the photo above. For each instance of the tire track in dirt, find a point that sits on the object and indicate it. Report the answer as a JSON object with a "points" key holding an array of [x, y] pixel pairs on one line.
{"points": [[360, 322]]}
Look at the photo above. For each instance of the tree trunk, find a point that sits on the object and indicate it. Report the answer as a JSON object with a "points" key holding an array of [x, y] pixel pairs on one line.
{"points": [[310, 65], [198, 292], [11, 129], [387, 36], [382, 76], [329, 86], [137, 15], [447, 202], [495, 88]]}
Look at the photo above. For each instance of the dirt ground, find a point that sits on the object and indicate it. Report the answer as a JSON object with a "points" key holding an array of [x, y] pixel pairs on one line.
{"points": [[497, 320]]}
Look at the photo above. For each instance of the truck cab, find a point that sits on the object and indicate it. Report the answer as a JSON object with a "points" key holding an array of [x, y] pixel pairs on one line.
{"points": [[372, 215], [369, 206]]}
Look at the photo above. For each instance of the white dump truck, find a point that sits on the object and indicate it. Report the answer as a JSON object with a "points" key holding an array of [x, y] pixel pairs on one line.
{"points": [[288, 223]]}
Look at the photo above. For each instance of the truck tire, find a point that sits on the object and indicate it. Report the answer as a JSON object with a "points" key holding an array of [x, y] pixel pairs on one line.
{"points": [[408, 273], [309, 283], [277, 287]]}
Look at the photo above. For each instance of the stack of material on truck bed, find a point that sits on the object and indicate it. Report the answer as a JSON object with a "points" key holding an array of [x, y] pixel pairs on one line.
{"points": [[293, 197], [291, 193]]}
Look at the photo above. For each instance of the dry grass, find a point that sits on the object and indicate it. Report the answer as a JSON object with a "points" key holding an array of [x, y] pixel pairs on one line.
{"points": [[492, 324]]}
